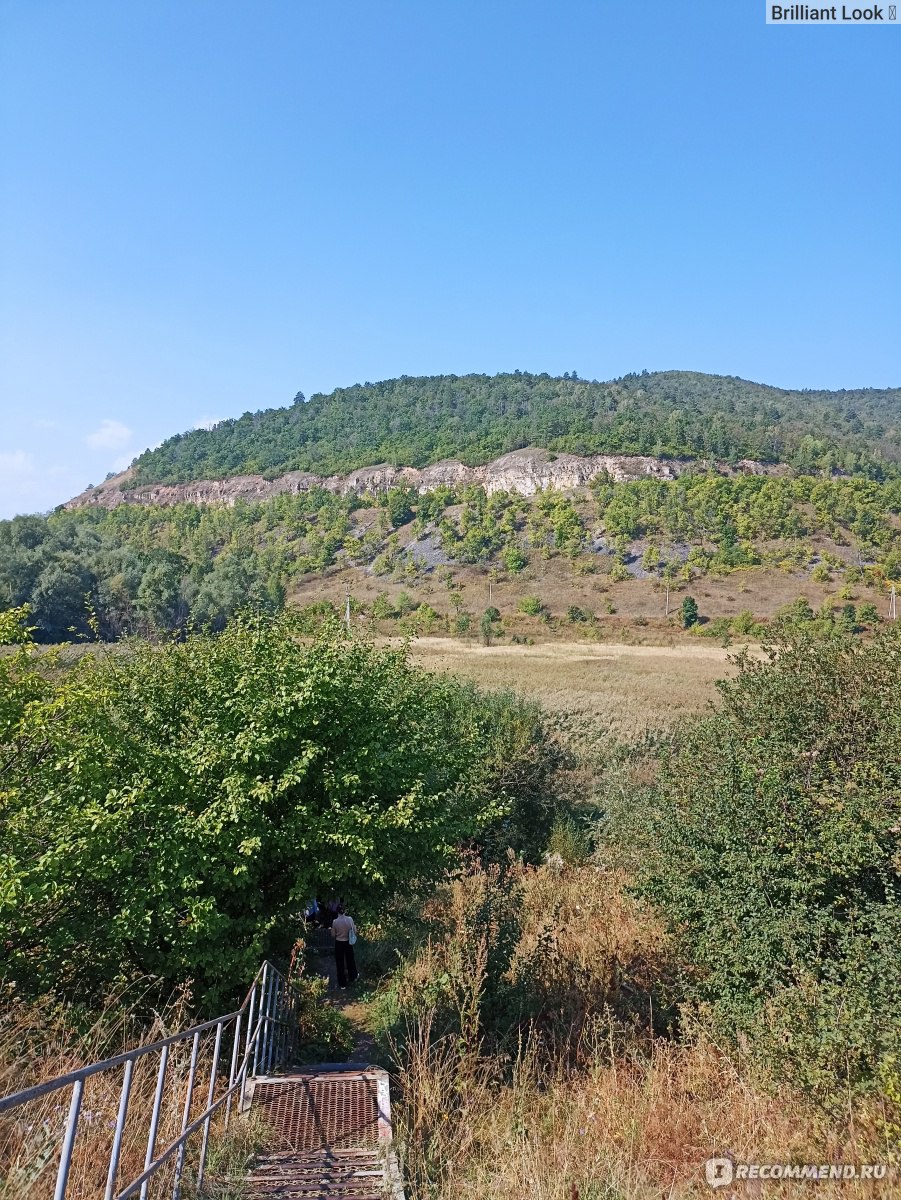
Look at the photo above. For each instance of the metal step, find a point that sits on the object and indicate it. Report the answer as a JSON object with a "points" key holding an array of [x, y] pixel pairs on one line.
{"points": [[330, 1135]]}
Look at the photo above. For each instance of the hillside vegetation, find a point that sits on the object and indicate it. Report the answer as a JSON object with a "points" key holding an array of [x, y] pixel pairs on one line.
{"points": [[144, 569], [475, 418]]}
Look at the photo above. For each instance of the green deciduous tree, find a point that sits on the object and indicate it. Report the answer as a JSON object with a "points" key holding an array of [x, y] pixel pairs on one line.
{"points": [[167, 810]]}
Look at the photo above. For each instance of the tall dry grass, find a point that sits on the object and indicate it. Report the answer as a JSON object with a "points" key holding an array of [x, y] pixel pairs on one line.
{"points": [[586, 1099], [42, 1040], [624, 691]]}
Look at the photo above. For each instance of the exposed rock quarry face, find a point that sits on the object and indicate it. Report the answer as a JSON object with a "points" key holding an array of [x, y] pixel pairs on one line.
{"points": [[522, 471]]}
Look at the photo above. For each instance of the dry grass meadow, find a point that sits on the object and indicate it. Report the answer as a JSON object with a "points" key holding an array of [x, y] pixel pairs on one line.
{"points": [[624, 689]]}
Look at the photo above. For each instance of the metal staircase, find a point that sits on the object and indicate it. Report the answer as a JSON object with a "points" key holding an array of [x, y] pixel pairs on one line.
{"points": [[328, 1127]]}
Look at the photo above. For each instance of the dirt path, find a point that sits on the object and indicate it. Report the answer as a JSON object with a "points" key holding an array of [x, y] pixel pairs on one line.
{"points": [[348, 1002]]}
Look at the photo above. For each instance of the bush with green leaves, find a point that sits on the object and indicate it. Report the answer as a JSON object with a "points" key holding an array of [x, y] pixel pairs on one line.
{"points": [[382, 607], [167, 811], [745, 625], [531, 606], [772, 848], [514, 559]]}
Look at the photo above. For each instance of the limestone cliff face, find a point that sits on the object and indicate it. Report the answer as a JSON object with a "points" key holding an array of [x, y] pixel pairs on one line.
{"points": [[522, 471]]}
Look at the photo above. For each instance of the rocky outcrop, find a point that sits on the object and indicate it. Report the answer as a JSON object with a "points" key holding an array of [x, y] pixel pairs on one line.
{"points": [[522, 471]]}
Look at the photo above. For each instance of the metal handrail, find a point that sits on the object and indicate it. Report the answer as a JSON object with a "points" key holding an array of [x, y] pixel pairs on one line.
{"points": [[272, 1002]]}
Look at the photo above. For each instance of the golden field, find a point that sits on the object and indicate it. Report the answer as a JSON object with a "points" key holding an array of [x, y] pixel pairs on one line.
{"points": [[626, 689]]}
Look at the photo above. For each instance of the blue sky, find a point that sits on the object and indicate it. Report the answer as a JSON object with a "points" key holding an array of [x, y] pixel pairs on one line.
{"points": [[208, 206]]}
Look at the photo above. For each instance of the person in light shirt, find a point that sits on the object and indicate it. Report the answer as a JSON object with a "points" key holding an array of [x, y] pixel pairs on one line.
{"points": [[343, 929]]}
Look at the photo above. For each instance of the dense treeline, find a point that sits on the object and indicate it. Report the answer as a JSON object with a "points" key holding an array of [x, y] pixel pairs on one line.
{"points": [[167, 812], [475, 418], [146, 570]]}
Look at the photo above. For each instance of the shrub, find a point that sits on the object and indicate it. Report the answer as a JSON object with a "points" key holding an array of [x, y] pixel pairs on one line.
{"points": [[772, 849], [399, 503], [406, 604], [14, 630], [382, 608], [486, 629], [514, 559], [569, 842], [797, 613], [744, 623], [531, 606]]}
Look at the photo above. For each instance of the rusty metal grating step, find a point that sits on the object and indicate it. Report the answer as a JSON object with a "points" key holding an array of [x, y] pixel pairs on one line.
{"points": [[330, 1136], [320, 1114], [348, 1176]]}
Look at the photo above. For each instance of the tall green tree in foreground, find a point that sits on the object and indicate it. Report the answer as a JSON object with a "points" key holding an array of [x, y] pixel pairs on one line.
{"points": [[168, 810], [772, 847]]}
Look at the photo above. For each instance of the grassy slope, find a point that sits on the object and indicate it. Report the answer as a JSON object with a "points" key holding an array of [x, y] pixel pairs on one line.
{"points": [[760, 590]]}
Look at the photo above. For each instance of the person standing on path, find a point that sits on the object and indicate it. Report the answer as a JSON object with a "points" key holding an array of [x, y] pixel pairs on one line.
{"points": [[343, 929]]}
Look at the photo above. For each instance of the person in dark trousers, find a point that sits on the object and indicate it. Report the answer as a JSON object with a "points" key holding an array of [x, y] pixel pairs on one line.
{"points": [[343, 929]]}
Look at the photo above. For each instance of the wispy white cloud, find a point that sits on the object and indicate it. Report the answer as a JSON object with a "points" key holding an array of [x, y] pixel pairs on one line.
{"points": [[206, 422], [110, 435], [18, 465]]}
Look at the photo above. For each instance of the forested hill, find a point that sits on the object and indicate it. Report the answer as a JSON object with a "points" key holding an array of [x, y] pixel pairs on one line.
{"points": [[475, 418]]}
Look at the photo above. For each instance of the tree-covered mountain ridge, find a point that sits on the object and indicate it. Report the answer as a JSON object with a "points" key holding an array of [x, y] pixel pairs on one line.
{"points": [[418, 422]]}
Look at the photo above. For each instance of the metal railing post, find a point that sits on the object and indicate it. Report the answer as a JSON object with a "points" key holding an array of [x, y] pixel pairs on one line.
{"points": [[116, 1149], [65, 1158], [280, 1036], [256, 1045], [209, 1103], [232, 1073], [266, 1033], [186, 1116], [274, 1025], [270, 1019], [272, 1040], [155, 1119]]}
